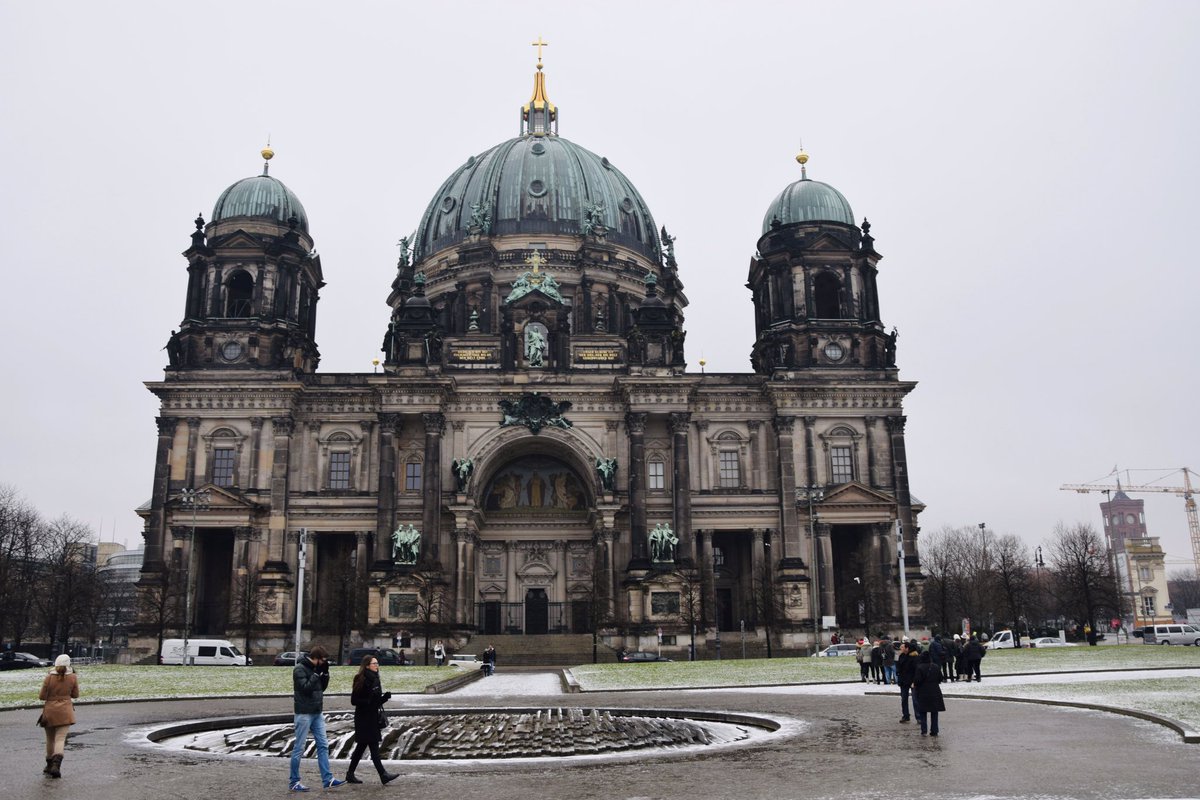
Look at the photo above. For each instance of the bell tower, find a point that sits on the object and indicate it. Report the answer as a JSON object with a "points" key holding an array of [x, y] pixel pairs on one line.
{"points": [[254, 280], [816, 305]]}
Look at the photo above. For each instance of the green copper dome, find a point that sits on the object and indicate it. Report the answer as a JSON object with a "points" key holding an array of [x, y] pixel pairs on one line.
{"points": [[808, 201], [260, 196], [537, 185]]}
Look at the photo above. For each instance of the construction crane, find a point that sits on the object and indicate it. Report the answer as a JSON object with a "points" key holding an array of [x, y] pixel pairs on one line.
{"points": [[1189, 502]]}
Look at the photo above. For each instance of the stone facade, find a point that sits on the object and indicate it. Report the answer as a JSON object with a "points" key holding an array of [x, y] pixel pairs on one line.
{"points": [[536, 424]]}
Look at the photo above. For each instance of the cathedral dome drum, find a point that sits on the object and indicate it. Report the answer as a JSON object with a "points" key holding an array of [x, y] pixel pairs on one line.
{"points": [[261, 197], [537, 184], [807, 200]]}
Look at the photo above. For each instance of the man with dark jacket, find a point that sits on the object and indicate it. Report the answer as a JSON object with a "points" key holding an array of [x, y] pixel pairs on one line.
{"points": [[310, 678], [974, 654], [906, 670]]}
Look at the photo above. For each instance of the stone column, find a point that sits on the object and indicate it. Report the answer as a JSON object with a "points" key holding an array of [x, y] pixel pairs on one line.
{"points": [[362, 480], [560, 577], [431, 520], [312, 464], [706, 459], [604, 552], [189, 470], [810, 453], [681, 487], [281, 431], [758, 539], [156, 528], [708, 579], [485, 311], [635, 428], [789, 523], [872, 462], [256, 424], [899, 470], [385, 515], [825, 556], [459, 539], [758, 478], [510, 575]]}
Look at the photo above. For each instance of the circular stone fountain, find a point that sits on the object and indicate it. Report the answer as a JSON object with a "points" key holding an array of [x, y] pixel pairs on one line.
{"points": [[484, 733]]}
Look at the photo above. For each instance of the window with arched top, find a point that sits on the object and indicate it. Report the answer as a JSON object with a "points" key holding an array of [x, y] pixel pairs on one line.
{"points": [[239, 294], [222, 449], [841, 454], [827, 291]]}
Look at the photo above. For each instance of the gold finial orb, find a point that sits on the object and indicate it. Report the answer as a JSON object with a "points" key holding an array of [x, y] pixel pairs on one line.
{"points": [[802, 158], [268, 153], [703, 362]]}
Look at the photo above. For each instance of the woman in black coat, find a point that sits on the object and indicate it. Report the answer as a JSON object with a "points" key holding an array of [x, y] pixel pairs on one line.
{"points": [[928, 694], [367, 697]]}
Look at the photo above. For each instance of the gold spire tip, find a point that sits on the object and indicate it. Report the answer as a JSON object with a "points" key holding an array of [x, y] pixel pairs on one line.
{"points": [[539, 44], [802, 158]]}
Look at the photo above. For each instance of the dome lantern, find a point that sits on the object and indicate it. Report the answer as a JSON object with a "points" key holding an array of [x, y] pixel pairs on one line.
{"points": [[539, 117]]}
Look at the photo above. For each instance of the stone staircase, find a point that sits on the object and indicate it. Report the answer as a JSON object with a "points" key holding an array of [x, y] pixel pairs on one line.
{"points": [[549, 650]]}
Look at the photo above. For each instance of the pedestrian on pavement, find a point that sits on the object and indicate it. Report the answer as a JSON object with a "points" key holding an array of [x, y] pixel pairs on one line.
{"points": [[310, 679], [864, 658], [888, 651], [906, 671], [439, 653], [489, 660], [876, 662], [59, 688], [367, 697], [974, 652], [937, 653], [928, 694], [958, 658]]}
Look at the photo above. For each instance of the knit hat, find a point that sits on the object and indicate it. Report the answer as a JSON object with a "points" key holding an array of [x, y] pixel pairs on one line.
{"points": [[63, 661]]}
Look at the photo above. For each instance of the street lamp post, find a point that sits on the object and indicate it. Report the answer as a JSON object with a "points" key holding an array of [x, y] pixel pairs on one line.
{"points": [[196, 500]]}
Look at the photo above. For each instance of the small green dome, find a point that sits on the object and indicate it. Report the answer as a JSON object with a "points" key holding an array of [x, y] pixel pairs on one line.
{"points": [[537, 185], [808, 201], [260, 196]]}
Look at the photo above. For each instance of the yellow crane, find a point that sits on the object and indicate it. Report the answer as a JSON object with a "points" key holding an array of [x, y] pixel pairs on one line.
{"points": [[1189, 501]]}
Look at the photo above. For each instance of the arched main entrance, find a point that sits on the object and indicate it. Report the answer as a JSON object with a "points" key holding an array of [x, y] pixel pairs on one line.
{"points": [[534, 562]]}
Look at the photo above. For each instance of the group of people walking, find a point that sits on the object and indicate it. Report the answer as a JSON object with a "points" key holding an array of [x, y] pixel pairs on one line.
{"points": [[876, 660]]}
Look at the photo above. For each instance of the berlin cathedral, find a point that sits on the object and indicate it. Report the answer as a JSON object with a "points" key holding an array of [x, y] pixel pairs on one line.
{"points": [[532, 458]]}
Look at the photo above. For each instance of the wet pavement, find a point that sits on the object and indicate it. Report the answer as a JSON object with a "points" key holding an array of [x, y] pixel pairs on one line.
{"points": [[837, 742]]}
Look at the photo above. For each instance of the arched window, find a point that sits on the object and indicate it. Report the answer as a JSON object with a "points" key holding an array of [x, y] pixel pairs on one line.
{"points": [[239, 294], [827, 289]]}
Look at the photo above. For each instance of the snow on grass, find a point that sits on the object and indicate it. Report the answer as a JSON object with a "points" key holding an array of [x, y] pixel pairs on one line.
{"points": [[115, 682], [1174, 698], [752, 672]]}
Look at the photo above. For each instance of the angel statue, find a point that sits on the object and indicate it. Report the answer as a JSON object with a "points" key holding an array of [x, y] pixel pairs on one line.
{"points": [[463, 469], [607, 467]]}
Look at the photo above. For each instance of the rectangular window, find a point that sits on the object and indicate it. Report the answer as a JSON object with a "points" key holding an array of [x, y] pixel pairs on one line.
{"points": [[222, 471], [1148, 606], [339, 470], [207, 651], [402, 606], [412, 476], [657, 475], [1144, 574], [730, 476], [841, 465]]}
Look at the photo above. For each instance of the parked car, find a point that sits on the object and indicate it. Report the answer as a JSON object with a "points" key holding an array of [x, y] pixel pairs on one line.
{"points": [[1171, 634], [387, 657], [463, 660], [289, 658], [1050, 641], [639, 657], [11, 660], [203, 652], [837, 650]]}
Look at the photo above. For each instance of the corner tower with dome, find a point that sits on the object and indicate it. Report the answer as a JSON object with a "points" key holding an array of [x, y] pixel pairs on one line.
{"points": [[534, 464]]}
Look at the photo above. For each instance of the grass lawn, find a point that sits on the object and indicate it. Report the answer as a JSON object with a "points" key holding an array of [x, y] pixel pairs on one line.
{"points": [[683, 674], [1174, 698], [112, 682]]}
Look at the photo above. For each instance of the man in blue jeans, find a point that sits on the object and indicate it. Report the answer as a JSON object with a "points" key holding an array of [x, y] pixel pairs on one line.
{"points": [[310, 678]]}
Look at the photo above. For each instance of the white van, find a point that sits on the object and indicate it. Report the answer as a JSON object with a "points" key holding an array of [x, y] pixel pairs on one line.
{"points": [[1002, 640], [1171, 634], [203, 652]]}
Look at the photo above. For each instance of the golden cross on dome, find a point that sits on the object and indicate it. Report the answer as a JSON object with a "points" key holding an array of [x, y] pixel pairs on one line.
{"points": [[535, 260], [539, 44]]}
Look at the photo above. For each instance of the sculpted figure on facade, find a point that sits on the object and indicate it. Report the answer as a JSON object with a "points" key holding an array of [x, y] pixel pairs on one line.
{"points": [[607, 467], [463, 469], [662, 544], [406, 544]]}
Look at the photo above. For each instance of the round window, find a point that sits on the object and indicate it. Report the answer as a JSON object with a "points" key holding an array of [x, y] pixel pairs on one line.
{"points": [[538, 148], [447, 205], [537, 188], [834, 352], [627, 205], [231, 351]]}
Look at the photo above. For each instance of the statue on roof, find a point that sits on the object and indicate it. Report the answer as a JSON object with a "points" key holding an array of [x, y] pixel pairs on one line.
{"points": [[481, 217], [593, 220], [403, 244], [668, 243]]}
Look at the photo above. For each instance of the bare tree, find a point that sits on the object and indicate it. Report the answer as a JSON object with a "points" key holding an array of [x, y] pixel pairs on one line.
{"points": [[247, 604], [938, 561], [160, 600], [691, 602], [21, 529], [1184, 588], [1014, 580], [432, 605], [63, 592], [1085, 585], [769, 604]]}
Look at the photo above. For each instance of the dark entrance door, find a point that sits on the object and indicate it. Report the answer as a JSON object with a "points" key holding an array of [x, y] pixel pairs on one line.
{"points": [[537, 611], [581, 616], [725, 609], [212, 585], [491, 618]]}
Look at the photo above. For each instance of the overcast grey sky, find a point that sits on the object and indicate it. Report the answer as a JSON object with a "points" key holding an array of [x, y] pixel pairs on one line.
{"points": [[1029, 169]]}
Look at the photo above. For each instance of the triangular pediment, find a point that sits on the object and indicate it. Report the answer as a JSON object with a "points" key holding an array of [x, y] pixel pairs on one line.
{"points": [[492, 589], [238, 238], [535, 296], [220, 498], [826, 242], [857, 495]]}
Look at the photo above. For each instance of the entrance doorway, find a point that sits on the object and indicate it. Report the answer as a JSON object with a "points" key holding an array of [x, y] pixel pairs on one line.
{"points": [[212, 585], [537, 611], [491, 618]]}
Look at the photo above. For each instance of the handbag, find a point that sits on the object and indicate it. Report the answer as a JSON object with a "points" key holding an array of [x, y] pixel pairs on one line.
{"points": [[381, 717], [41, 720]]}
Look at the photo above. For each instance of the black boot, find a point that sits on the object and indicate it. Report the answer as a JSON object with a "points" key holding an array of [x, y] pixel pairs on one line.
{"points": [[353, 765], [388, 777], [55, 766], [46, 771]]}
